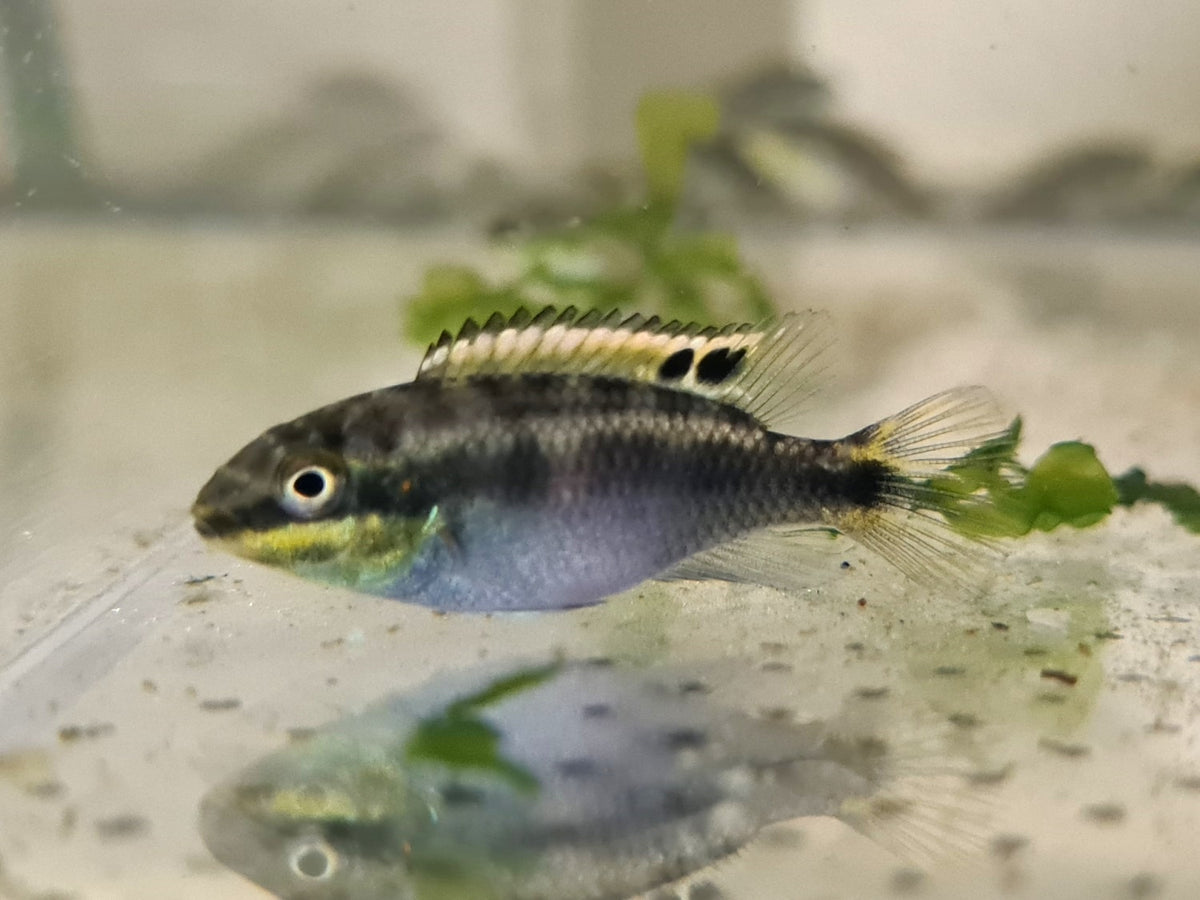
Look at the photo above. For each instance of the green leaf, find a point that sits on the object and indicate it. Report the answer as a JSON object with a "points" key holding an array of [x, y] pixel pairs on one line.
{"points": [[668, 123], [459, 739], [1180, 499], [451, 294], [1068, 484], [987, 460], [627, 258], [466, 743], [455, 742], [505, 687]]}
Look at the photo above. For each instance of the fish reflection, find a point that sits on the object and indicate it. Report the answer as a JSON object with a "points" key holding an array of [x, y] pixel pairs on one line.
{"points": [[581, 780]]}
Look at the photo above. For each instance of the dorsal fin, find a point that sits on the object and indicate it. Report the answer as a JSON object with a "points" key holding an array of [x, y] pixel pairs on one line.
{"points": [[766, 369]]}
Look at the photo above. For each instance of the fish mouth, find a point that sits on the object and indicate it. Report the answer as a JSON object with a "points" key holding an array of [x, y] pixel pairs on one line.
{"points": [[200, 519], [219, 510], [213, 523], [239, 843]]}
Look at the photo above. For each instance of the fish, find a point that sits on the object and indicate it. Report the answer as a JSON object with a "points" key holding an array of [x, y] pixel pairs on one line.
{"points": [[589, 779], [550, 461]]}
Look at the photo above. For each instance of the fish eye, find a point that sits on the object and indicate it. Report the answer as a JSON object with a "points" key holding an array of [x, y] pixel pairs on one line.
{"points": [[309, 489], [313, 860]]}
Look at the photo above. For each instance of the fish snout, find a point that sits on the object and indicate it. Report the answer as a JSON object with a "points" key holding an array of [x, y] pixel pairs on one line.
{"points": [[212, 521], [220, 508], [202, 520]]}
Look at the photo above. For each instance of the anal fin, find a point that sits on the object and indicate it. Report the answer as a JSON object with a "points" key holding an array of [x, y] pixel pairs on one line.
{"points": [[788, 559]]}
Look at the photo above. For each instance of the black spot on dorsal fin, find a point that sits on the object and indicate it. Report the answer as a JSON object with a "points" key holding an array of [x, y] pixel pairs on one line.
{"points": [[718, 365], [676, 365], [768, 370]]}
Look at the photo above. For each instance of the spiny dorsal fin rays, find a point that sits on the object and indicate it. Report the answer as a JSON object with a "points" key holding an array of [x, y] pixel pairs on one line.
{"points": [[767, 369], [567, 341]]}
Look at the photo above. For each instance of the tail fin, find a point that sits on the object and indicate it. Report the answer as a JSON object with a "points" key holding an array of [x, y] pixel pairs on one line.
{"points": [[929, 511], [905, 784], [925, 806], [923, 819]]}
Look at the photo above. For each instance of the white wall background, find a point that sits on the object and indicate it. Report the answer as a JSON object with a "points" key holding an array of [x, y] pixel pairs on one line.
{"points": [[970, 88], [967, 90]]}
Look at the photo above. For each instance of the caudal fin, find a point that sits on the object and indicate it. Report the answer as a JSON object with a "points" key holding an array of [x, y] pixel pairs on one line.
{"points": [[931, 513], [925, 806]]}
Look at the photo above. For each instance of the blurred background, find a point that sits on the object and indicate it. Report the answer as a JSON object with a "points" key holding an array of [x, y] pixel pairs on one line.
{"points": [[215, 216], [420, 112]]}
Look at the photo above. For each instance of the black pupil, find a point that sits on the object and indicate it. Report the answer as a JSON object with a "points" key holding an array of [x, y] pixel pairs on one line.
{"points": [[313, 862], [309, 484]]}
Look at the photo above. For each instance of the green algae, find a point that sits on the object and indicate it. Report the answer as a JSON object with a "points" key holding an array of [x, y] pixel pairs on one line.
{"points": [[1006, 671], [636, 625]]}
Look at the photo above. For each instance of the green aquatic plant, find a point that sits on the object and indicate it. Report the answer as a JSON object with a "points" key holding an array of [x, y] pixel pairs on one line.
{"points": [[1067, 485], [629, 258], [458, 738], [1181, 500]]}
